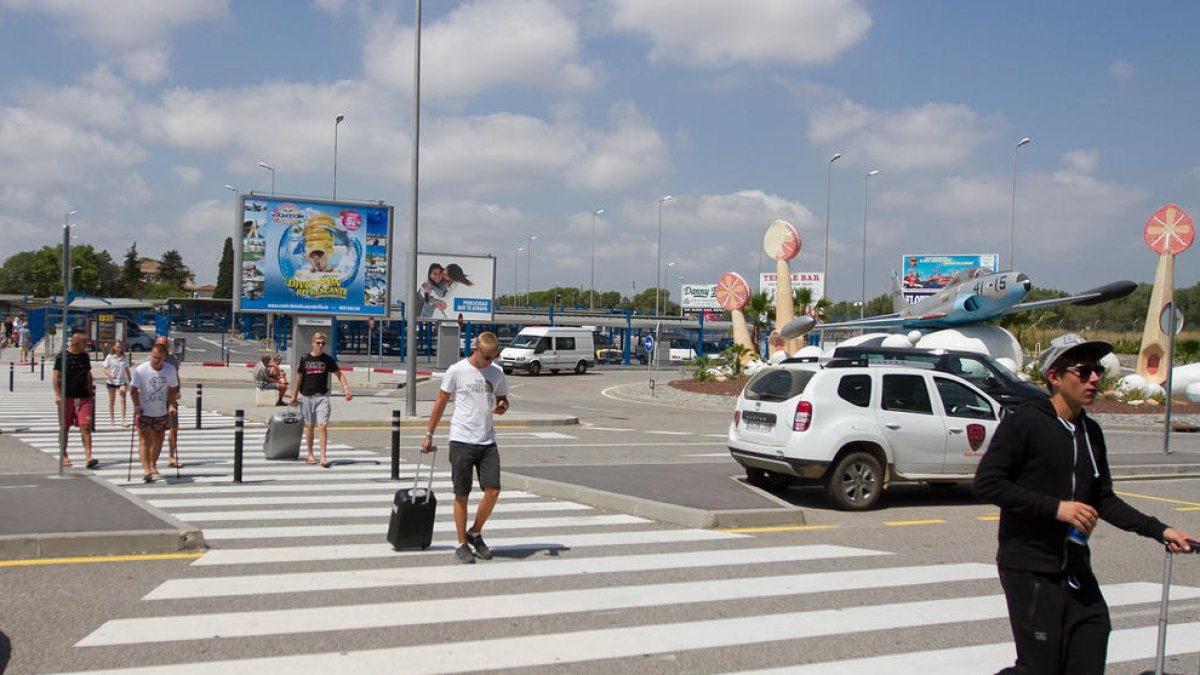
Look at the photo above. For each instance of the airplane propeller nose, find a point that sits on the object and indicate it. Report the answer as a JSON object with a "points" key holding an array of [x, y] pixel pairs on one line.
{"points": [[1024, 281]]}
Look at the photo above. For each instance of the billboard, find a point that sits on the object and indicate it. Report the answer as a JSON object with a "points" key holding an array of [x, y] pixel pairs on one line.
{"points": [[453, 285], [698, 296], [926, 273], [312, 257], [813, 280]]}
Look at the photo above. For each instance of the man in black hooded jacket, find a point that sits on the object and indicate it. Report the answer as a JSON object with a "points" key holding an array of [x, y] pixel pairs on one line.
{"points": [[1047, 470]]}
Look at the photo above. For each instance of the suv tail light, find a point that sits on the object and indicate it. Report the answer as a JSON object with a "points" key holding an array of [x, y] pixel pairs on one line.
{"points": [[737, 418], [803, 416]]}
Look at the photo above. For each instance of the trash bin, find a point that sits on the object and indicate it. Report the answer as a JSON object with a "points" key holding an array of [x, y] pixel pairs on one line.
{"points": [[180, 348]]}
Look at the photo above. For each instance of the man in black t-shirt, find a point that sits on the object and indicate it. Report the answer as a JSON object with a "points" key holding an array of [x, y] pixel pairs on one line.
{"points": [[312, 382], [79, 408]]}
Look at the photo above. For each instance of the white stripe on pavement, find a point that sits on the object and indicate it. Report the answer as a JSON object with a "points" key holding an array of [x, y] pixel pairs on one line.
{"points": [[380, 512], [447, 610], [213, 502], [308, 582], [310, 531]]}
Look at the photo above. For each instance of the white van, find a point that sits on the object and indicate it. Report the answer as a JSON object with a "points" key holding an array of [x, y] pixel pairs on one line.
{"points": [[552, 348]]}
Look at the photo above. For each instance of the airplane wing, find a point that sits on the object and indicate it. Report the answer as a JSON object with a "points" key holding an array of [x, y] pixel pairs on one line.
{"points": [[1110, 291], [879, 320]]}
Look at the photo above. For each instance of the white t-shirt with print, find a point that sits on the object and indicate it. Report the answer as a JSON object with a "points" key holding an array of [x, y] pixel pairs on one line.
{"points": [[152, 386], [473, 391]]}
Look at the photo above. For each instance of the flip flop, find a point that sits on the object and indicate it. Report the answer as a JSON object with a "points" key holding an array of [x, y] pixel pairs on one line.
{"points": [[171, 461], [67, 461], [312, 462], [93, 463], [326, 464]]}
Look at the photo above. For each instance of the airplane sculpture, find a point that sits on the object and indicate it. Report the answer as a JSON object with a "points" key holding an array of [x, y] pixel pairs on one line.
{"points": [[974, 295]]}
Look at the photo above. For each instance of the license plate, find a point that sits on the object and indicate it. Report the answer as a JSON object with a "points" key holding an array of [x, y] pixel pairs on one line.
{"points": [[759, 428]]}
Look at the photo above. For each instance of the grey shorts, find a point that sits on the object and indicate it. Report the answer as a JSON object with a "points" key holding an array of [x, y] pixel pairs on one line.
{"points": [[315, 410], [466, 459]]}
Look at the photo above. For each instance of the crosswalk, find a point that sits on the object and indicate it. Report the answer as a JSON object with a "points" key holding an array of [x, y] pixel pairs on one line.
{"points": [[299, 579]]}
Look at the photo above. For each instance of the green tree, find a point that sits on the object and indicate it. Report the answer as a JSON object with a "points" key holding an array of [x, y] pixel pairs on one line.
{"points": [[760, 314], [171, 269], [224, 287], [130, 279]]}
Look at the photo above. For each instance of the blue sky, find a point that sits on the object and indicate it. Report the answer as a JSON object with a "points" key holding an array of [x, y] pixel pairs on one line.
{"points": [[536, 113]]}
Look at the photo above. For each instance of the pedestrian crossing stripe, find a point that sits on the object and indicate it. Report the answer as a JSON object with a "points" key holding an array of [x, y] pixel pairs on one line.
{"points": [[512, 606], [313, 531], [211, 502], [309, 582], [636, 641], [374, 513]]}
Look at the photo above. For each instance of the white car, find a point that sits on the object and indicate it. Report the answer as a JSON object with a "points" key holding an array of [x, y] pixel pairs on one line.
{"points": [[857, 427]]}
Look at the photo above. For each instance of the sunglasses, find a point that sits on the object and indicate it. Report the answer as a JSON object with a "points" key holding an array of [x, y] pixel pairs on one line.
{"points": [[1085, 373], [489, 357], [318, 342]]}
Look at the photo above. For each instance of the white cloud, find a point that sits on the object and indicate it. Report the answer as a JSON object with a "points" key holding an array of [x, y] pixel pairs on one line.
{"points": [[632, 153], [929, 136], [188, 175], [1121, 70], [41, 153], [1082, 161], [718, 33], [480, 46]]}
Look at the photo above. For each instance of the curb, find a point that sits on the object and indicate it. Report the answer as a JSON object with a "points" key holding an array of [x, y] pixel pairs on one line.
{"points": [[661, 511]]}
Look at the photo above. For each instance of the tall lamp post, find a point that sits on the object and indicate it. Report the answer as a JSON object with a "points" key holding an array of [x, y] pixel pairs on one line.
{"points": [[666, 268], [337, 121], [516, 278], [828, 181], [1012, 213], [592, 292], [862, 308], [66, 266], [529, 268], [658, 260], [270, 168]]}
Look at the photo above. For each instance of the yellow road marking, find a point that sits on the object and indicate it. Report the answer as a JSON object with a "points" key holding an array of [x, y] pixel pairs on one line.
{"points": [[1159, 499], [100, 559], [1188, 508], [991, 517], [780, 528], [902, 523]]}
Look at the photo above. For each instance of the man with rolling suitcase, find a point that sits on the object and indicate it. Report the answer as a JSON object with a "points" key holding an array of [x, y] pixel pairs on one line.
{"points": [[1047, 470], [479, 390]]}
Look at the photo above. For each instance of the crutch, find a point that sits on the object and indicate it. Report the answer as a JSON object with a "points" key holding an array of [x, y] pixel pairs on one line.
{"points": [[1160, 656], [132, 433]]}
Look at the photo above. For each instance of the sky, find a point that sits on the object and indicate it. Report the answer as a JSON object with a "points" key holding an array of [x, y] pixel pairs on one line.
{"points": [[535, 114]]}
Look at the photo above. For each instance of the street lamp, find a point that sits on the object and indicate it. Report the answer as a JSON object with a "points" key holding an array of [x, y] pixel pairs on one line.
{"points": [[866, 181], [665, 269], [270, 168], [529, 268], [66, 266], [658, 261], [556, 293], [592, 292], [1012, 214], [336, 122], [828, 180], [231, 188], [516, 282]]}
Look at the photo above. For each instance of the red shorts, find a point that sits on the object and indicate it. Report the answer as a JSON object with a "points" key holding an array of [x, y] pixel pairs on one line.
{"points": [[154, 423], [80, 412]]}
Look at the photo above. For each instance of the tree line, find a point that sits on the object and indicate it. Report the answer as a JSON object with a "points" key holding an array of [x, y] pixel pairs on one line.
{"points": [[39, 273]]}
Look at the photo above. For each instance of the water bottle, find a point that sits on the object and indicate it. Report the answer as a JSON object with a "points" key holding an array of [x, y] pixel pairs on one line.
{"points": [[1077, 536]]}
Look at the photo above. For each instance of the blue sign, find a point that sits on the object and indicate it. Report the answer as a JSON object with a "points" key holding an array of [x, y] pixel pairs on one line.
{"points": [[648, 343]]}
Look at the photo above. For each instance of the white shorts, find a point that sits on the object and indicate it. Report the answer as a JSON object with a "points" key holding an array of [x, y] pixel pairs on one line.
{"points": [[315, 410]]}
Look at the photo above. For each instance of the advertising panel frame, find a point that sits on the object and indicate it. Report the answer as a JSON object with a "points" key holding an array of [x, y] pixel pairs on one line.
{"points": [[698, 297], [449, 300], [347, 270], [927, 273], [813, 280]]}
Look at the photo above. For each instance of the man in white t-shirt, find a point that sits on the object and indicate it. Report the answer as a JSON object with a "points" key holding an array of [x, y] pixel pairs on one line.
{"points": [[154, 389], [479, 390]]}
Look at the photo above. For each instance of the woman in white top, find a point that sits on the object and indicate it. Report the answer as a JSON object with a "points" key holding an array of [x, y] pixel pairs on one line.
{"points": [[116, 369]]}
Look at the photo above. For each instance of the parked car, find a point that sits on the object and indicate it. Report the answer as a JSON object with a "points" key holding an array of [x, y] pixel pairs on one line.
{"points": [[136, 339], [856, 427], [552, 348], [979, 369]]}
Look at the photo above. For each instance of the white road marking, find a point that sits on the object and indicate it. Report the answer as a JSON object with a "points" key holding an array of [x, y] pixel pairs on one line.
{"points": [[379, 512]]}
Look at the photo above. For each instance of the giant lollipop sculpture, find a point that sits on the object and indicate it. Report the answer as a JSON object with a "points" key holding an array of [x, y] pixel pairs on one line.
{"points": [[782, 243], [1168, 233], [732, 294]]}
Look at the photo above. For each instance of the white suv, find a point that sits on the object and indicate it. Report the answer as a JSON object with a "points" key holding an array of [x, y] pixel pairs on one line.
{"points": [[856, 427]]}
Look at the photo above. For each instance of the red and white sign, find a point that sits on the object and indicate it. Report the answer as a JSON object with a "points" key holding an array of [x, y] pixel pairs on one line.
{"points": [[1169, 231]]}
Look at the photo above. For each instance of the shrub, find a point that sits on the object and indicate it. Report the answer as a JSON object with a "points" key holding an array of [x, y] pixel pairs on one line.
{"points": [[701, 368], [731, 358]]}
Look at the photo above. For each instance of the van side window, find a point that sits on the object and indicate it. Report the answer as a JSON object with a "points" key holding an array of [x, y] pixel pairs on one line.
{"points": [[856, 389], [906, 393], [542, 345], [564, 343]]}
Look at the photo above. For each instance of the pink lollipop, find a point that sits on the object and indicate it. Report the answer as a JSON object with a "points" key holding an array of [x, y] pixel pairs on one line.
{"points": [[732, 291], [781, 241]]}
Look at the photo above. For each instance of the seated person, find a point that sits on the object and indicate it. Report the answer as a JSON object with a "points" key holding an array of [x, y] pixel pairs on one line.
{"points": [[263, 379], [275, 371]]}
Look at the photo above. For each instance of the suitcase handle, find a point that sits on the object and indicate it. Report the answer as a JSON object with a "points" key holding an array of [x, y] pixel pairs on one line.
{"points": [[417, 473]]}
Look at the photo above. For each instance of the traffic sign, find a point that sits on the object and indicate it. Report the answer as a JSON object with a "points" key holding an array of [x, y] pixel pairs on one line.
{"points": [[648, 343], [1164, 318]]}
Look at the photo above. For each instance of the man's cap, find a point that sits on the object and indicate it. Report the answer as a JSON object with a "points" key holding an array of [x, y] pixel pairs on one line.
{"points": [[1074, 346]]}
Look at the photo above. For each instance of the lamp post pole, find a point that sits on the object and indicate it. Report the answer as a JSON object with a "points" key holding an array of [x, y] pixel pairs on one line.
{"points": [[862, 308], [828, 182], [410, 326], [270, 168], [664, 270], [592, 292], [516, 278], [529, 268], [337, 121], [1012, 213], [62, 377], [658, 260]]}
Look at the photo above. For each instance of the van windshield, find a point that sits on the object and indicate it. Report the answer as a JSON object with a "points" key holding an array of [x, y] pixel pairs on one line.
{"points": [[525, 341]]}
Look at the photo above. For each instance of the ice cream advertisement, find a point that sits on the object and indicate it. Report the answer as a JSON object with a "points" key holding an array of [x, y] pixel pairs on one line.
{"points": [[312, 257]]}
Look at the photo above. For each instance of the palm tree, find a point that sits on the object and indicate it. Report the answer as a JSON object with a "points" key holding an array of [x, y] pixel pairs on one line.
{"points": [[760, 314]]}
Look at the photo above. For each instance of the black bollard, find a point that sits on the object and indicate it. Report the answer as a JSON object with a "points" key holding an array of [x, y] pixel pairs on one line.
{"points": [[43, 369], [239, 424], [395, 445], [12, 373], [199, 402], [32, 363]]}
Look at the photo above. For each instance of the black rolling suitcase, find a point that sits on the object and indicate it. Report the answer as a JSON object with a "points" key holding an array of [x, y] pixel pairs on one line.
{"points": [[1161, 654], [413, 510], [283, 436]]}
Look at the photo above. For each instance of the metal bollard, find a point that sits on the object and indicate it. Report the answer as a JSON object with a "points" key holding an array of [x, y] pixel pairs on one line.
{"points": [[12, 373], [239, 425], [43, 369], [199, 402], [32, 363], [395, 445]]}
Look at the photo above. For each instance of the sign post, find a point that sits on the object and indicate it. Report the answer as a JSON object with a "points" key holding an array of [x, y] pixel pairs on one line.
{"points": [[648, 344], [1170, 320]]}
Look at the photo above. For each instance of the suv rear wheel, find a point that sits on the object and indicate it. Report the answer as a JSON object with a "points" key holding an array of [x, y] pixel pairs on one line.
{"points": [[855, 483], [767, 480]]}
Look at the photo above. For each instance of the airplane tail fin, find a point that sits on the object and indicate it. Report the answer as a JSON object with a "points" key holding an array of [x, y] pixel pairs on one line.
{"points": [[899, 304]]}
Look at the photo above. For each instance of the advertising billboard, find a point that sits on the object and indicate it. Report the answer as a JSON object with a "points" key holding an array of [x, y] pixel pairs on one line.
{"points": [[926, 273], [813, 280], [312, 257], [698, 296], [454, 285]]}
